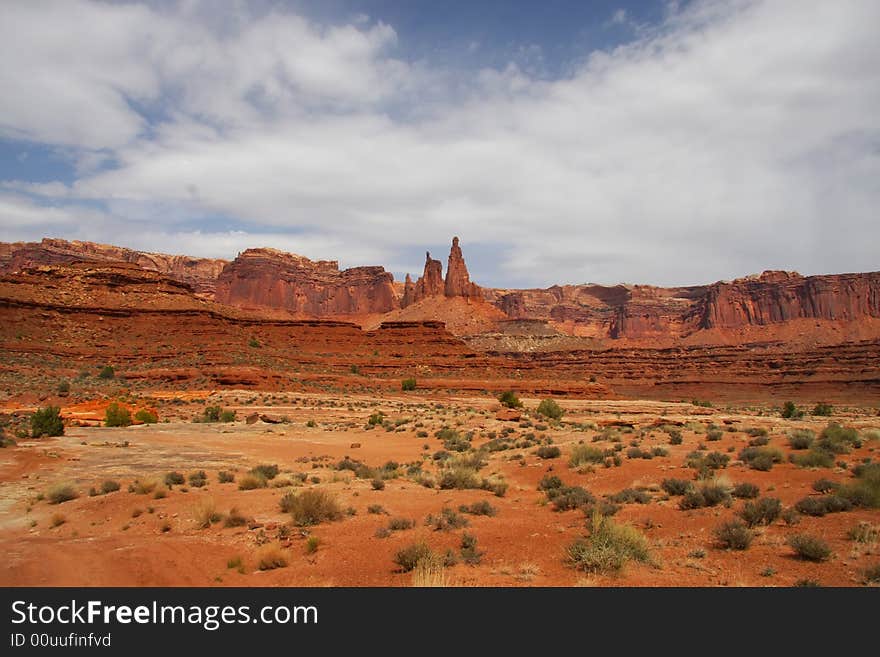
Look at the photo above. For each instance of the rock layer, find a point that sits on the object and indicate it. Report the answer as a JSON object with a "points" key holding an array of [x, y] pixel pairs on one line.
{"points": [[200, 273], [271, 278]]}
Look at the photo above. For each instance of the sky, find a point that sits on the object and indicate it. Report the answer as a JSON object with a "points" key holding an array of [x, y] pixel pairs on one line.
{"points": [[622, 141]]}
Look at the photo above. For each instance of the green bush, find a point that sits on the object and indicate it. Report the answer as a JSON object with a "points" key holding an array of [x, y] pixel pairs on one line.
{"points": [[791, 412], [608, 547], [745, 490], [865, 490], [482, 508], [763, 511], [510, 400], [630, 496], [174, 479], [801, 439], [447, 519], [550, 409], [810, 548], [548, 452], [566, 498], [312, 507], [47, 422], [227, 416], [469, 552], [708, 493], [198, 479], [408, 384], [211, 414], [734, 535], [823, 409], [117, 416], [267, 472], [814, 458], [676, 486], [225, 477], [107, 372], [409, 557], [146, 417], [109, 486], [460, 478], [822, 505]]}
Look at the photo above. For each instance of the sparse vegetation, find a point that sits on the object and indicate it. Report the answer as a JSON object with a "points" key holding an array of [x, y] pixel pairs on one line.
{"points": [[146, 417], [117, 415], [270, 557], [312, 507], [47, 422], [550, 409], [810, 548], [763, 511], [608, 547], [61, 493], [734, 535], [408, 384], [510, 400]]}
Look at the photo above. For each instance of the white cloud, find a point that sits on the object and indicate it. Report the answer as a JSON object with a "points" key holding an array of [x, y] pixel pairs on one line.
{"points": [[736, 136]]}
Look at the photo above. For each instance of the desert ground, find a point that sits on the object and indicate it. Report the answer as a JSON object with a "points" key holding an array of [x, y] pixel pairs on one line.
{"points": [[391, 477]]}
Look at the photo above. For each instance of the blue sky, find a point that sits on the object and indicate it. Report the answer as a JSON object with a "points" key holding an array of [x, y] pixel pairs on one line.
{"points": [[564, 142]]}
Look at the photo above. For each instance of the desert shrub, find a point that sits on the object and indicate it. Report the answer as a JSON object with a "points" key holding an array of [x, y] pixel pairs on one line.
{"points": [[117, 416], [251, 481], [733, 535], [550, 409], [174, 479], [400, 524], [270, 557], [376, 509], [745, 490], [267, 472], [408, 384], [760, 441], [453, 440], [823, 409], [235, 518], [630, 496], [814, 458], [822, 505], [836, 439], [312, 507], [410, 556], [548, 452], [509, 399], [755, 431], [445, 520], [61, 493], [865, 490], [825, 485], [713, 435], [871, 574], [460, 478], [227, 416], [143, 486], [608, 547], [198, 479], [708, 493], [481, 508], [763, 511], [791, 412], [810, 548], [801, 439], [864, 532], [582, 454], [225, 477], [469, 552], [566, 498], [57, 520], [146, 417], [676, 486], [47, 422], [549, 482], [211, 414], [205, 513], [107, 372], [109, 486], [63, 388]]}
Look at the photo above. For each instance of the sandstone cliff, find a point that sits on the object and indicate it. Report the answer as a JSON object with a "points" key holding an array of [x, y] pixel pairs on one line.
{"points": [[200, 273], [271, 278]]}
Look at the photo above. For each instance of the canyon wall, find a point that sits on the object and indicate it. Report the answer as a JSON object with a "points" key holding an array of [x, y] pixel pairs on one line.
{"points": [[200, 273], [271, 278]]}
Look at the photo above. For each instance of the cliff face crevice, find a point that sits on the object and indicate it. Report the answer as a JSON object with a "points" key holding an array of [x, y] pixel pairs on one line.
{"points": [[266, 277]]}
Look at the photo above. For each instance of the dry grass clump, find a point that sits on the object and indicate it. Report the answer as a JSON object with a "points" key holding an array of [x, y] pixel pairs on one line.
{"points": [[205, 513], [609, 546], [311, 507], [270, 557]]}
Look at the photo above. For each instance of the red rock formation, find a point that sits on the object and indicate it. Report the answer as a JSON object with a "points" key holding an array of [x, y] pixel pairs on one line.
{"points": [[267, 277], [432, 284], [458, 282], [200, 273], [409, 292]]}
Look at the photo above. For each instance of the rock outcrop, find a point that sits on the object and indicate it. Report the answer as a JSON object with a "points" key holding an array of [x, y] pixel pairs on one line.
{"points": [[271, 278], [200, 273], [458, 281], [432, 284], [645, 312]]}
